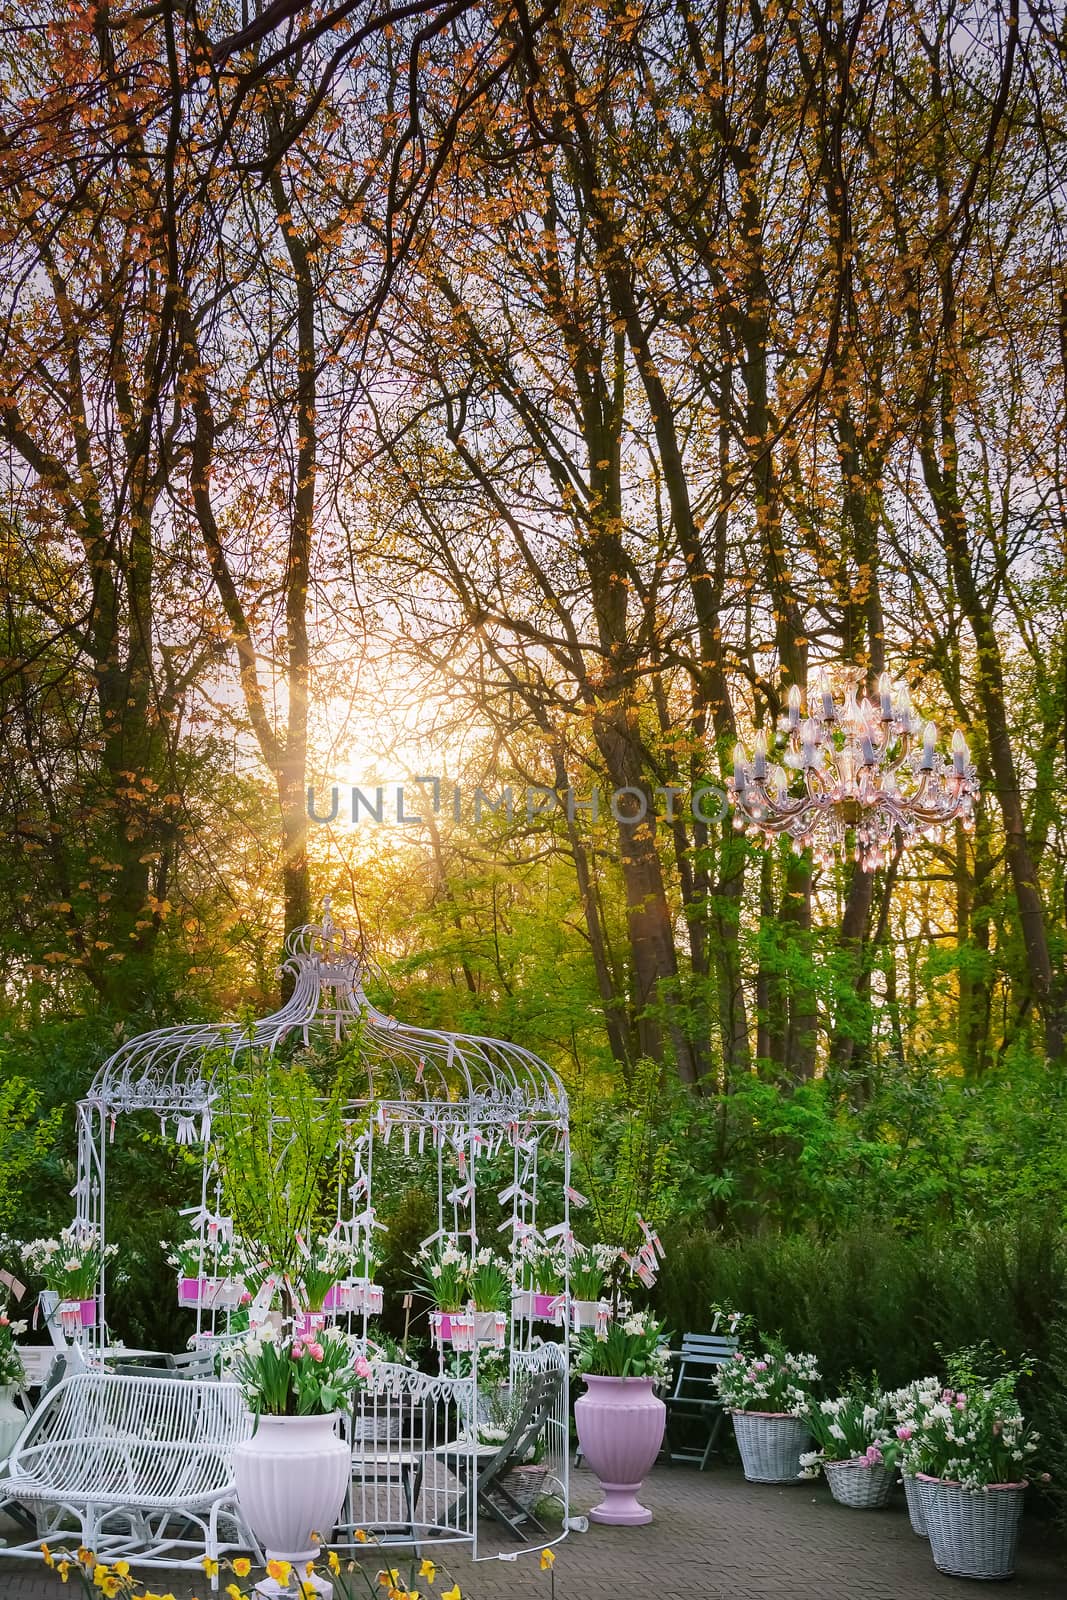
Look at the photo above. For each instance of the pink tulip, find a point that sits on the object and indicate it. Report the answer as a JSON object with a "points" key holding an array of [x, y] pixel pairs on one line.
{"points": [[362, 1366], [315, 1351], [905, 1433], [297, 1351]]}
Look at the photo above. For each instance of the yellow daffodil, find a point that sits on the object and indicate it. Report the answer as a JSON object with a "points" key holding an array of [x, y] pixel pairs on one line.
{"points": [[279, 1571], [307, 1590], [334, 1562], [210, 1566], [242, 1566], [100, 1572], [361, 1537], [86, 1557], [234, 1592], [111, 1587], [548, 1560], [452, 1594], [389, 1578], [64, 1570], [49, 1559], [428, 1570], [122, 1568]]}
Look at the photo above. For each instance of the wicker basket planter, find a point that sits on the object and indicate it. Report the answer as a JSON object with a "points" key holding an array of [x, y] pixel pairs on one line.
{"points": [[771, 1444], [525, 1484], [973, 1532], [915, 1505], [859, 1483]]}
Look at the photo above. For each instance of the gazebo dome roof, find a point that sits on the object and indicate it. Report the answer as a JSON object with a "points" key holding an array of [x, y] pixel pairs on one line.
{"points": [[170, 1070]]}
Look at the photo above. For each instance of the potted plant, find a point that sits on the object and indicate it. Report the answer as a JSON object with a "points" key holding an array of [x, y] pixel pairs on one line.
{"points": [[972, 1454], [857, 1448], [70, 1267], [487, 1287], [538, 1283], [446, 1275], [209, 1273], [769, 1396], [589, 1269], [292, 1474], [620, 1418], [908, 1407], [325, 1262], [12, 1377], [355, 1289]]}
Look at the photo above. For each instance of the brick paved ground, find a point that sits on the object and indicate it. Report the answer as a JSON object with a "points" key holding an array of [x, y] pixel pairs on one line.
{"points": [[714, 1537]]}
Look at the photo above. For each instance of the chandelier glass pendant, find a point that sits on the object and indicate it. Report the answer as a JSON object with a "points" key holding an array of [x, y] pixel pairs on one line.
{"points": [[860, 780]]}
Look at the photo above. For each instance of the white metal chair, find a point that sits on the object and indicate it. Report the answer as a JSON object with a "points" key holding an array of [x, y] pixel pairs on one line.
{"points": [[142, 1466]]}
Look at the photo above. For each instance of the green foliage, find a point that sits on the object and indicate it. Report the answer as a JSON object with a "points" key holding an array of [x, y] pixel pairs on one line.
{"points": [[28, 1139], [276, 1133], [902, 1146], [625, 1151]]}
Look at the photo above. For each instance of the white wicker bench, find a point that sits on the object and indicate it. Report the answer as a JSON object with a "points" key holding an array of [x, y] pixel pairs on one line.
{"points": [[139, 1468]]}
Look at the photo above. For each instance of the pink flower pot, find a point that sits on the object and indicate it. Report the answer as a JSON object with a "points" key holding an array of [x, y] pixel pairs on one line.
{"points": [[620, 1425], [189, 1291], [335, 1298], [75, 1314], [453, 1327], [545, 1307]]}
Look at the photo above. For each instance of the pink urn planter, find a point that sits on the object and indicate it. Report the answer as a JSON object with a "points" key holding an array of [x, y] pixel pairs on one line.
{"points": [[620, 1425]]}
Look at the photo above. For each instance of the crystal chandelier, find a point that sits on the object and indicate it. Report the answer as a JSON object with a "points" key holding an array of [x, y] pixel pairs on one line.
{"points": [[860, 782]]}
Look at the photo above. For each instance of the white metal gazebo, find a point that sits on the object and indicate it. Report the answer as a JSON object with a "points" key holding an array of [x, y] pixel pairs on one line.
{"points": [[460, 1103]]}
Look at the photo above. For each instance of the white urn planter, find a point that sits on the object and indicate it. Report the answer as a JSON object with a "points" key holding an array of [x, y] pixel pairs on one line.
{"points": [[12, 1419], [291, 1478]]}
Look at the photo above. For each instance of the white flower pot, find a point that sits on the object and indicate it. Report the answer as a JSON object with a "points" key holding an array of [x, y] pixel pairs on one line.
{"points": [[595, 1314], [12, 1419], [490, 1327], [291, 1478]]}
